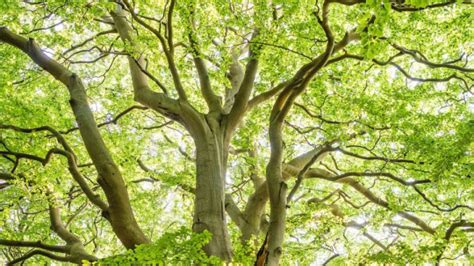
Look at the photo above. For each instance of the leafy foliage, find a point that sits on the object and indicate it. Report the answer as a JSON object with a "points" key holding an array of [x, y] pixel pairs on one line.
{"points": [[179, 247], [404, 92]]}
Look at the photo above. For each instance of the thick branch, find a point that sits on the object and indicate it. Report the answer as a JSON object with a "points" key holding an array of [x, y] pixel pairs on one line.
{"points": [[143, 94], [241, 99], [75, 247], [234, 212], [167, 50], [110, 178]]}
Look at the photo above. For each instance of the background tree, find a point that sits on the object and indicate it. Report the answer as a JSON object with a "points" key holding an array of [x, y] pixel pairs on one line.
{"points": [[364, 154]]}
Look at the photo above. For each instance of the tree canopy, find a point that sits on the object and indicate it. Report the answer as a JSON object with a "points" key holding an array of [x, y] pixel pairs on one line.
{"points": [[325, 132]]}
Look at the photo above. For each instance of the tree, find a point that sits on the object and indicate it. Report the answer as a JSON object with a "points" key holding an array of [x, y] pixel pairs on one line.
{"points": [[358, 115]]}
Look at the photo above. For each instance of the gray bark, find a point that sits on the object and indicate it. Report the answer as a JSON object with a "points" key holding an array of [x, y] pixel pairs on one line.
{"points": [[209, 211]]}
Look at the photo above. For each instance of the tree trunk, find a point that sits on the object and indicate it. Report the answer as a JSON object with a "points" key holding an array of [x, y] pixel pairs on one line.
{"points": [[209, 212], [277, 192]]}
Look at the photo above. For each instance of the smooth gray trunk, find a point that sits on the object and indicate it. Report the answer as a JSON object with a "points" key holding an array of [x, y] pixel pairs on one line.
{"points": [[209, 212]]}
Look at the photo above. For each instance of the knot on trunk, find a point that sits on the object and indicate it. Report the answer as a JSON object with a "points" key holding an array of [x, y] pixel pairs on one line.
{"points": [[199, 226], [278, 251]]}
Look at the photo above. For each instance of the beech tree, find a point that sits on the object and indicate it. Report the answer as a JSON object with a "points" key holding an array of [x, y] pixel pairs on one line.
{"points": [[266, 132]]}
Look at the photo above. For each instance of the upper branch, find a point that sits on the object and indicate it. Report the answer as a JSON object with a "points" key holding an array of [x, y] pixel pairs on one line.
{"points": [[167, 50], [411, 77], [29, 47], [304, 75], [241, 99], [401, 7], [449, 233], [111, 121], [210, 97], [157, 101], [55, 133], [420, 58]]}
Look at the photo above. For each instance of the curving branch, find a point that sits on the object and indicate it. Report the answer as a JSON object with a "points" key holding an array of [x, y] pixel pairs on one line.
{"points": [[407, 75], [375, 158], [430, 202], [33, 244], [328, 121], [61, 140], [89, 40], [420, 58], [111, 121], [277, 187], [67, 152], [72, 167], [142, 92], [449, 233], [328, 260], [110, 177], [212, 100], [402, 7], [241, 98], [316, 173], [74, 250], [20, 155], [42, 253], [410, 77], [168, 51], [389, 175]]}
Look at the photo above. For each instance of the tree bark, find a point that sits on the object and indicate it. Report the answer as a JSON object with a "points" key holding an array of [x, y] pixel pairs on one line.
{"points": [[209, 210], [119, 213], [277, 193]]}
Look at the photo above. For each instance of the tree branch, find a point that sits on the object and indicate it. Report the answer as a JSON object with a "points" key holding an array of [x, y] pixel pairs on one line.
{"points": [[113, 120], [33, 244], [420, 58], [42, 253], [167, 50], [212, 100], [242, 97], [110, 177], [143, 94]]}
